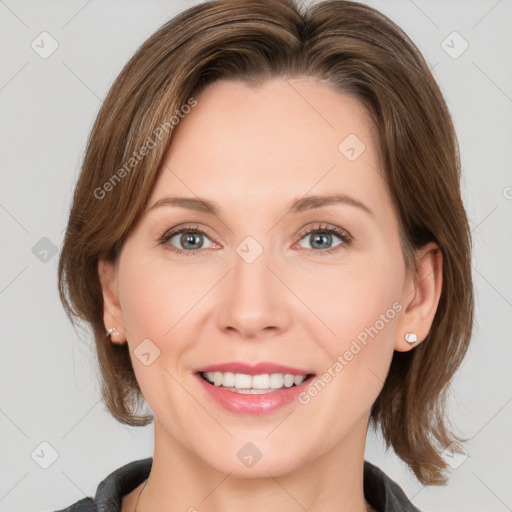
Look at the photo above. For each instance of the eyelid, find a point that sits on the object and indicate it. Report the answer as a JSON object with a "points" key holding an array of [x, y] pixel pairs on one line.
{"points": [[341, 233], [344, 236], [179, 228], [323, 227], [183, 228]]}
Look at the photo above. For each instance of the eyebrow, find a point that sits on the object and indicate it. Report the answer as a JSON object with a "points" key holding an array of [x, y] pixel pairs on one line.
{"points": [[297, 206]]}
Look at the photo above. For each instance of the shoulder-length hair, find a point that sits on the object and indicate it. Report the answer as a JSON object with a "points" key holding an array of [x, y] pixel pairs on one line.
{"points": [[361, 53]]}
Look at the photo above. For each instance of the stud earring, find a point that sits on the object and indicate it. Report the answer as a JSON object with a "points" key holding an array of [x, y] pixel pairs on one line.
{"points": [[411, 337], [112, 331]]}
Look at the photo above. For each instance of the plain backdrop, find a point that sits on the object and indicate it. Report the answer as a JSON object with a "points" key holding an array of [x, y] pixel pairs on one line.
{"points": [[49, 389]]}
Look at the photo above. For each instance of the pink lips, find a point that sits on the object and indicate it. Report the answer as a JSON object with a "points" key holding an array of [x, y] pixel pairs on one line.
{"points": [[255, 369], [256, 404]]}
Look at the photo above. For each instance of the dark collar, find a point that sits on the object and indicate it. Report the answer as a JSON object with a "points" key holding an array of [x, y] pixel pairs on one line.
{"points": [[382, 493]]}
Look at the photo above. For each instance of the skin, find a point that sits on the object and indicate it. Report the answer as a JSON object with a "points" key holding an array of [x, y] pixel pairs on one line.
{"points": [[253, 150]]}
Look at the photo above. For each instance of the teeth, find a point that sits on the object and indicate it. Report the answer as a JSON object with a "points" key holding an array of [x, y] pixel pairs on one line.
{"points": [[298, 379], [243, 381], [288, 380], [276, 380], [217, 378], [253, 384], [228, 379], [260, 381]]}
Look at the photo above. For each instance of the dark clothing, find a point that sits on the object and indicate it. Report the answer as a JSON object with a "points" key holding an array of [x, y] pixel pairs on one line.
{"points": [[382, 493]]}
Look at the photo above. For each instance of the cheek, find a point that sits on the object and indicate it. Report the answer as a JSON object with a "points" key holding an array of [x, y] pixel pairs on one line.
{"points": [[162, 302], [362, 309], [352, 298], [156, 295], [146, 305], [155, 301], [360, 305]]}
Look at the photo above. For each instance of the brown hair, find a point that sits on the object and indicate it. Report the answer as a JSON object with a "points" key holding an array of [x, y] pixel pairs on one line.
{"points": [[360, 52]]}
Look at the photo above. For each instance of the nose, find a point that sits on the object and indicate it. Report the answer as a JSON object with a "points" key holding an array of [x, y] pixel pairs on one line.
{"points": [[255, 302]]}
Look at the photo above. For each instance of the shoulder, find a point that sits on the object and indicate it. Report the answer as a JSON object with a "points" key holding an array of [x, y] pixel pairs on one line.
{"points": [[111, 489], [384, 494], [84, 505]]}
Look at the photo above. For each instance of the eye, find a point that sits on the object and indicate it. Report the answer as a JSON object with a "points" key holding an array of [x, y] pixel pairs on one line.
{"points": [[321, 238], [188, 240]]}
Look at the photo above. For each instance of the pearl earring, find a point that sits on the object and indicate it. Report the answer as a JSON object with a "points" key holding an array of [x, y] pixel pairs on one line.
{"points": [[411, 337], [112, 331]]}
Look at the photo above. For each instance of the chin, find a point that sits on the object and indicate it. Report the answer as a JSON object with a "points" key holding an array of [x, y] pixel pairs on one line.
{"points": [[253, 459]]}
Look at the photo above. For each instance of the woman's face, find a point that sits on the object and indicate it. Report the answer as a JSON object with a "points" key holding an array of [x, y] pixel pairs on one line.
{"points": [[248, 284]]}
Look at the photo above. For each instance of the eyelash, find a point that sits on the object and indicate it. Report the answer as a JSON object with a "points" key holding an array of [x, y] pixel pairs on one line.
{"points": [[345, 237]]}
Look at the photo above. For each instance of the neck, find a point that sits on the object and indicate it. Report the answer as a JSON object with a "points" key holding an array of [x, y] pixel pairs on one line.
{"points": [[181, 480]]}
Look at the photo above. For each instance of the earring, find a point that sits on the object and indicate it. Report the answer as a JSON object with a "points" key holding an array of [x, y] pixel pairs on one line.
{"points": [[411, 337], [112, 331]]}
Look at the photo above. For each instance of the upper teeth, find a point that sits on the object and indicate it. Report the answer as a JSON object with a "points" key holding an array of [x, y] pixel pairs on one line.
{"points": [[244, 381]]}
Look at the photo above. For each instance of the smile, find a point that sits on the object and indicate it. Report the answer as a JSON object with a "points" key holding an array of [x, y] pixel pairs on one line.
{"points": [[253, 384], [244, 389]]}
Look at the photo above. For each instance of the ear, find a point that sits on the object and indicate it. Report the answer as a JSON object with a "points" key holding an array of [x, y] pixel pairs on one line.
{"points": [[420, 296], [112, 314]]}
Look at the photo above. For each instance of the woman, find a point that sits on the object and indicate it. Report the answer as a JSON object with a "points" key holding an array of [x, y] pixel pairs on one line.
{"points": [[272, 256]]}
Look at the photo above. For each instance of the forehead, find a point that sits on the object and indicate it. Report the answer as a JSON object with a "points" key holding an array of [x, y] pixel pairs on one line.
{"points": [[283, 137]]}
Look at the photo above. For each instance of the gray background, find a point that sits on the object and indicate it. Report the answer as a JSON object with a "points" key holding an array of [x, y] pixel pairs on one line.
{"points": [[48, 371]]}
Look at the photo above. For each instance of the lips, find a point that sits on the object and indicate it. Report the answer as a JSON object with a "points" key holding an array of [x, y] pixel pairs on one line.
{"points": [[253, 389], [255, 369]]}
